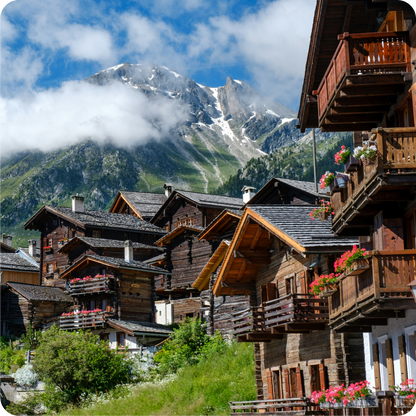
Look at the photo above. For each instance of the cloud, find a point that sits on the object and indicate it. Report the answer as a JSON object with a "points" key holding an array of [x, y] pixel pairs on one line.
{"points": [[271, 42], [55, 118]]}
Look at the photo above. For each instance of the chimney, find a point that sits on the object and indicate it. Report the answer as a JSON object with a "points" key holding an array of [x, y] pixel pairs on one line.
{"points": [[32, 248], [7, 239], [77, 203], [248, 193], [168, 189], [128, 251]]}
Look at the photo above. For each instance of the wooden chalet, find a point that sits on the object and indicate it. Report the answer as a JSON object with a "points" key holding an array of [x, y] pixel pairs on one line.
{"points": [[288, 191], [59, 224], [16, 268], [22, 303], [143, 205], [276, 252], [361, 77]]}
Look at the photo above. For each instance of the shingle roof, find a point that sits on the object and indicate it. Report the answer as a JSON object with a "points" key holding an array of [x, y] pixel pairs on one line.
{"points": [[294, 221], [120, 263], [155, 259], [141, 326], [105, 220], [219, 201], [147, 204], [305, 186], [40, 293], [106, 243], [14, 261]]}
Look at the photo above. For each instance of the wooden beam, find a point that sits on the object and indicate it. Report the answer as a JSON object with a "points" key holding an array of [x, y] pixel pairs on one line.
{"points": [[256, 237], [392, 196], [359, 110], [239, 286], [305, 327], [241, 271], [263, 337], [382, 80], [371, 91], [326, 128], [253, 256], [363, 102], [354, 118], [354, 329]]}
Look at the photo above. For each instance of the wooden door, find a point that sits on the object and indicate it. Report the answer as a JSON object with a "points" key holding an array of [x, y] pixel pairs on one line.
{"points": [[393, 234]]}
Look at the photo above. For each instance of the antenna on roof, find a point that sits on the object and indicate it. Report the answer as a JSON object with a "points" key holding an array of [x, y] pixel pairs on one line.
{"points": [[314, 160]]}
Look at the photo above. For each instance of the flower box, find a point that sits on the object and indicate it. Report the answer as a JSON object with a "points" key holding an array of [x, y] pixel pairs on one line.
{"points": [[342, 179], [328, 405], [334, 187], [323, 215], [352, 164], [328, 290], [402, 402], [364, 402], [359, 266], [48, 249]]}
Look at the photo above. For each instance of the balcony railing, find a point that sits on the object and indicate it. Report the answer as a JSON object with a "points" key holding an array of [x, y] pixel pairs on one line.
{"points": [[99, 285], [83, 321], [248, 321], [296, 406], [384, 286], [363, 54], [396, 156], [296, 312]]}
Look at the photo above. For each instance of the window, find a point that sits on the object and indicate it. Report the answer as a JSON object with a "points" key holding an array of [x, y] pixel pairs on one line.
{"points": [[386, 363], [410, 351], [187, 221], [91, 305], [104, 337], [121, 339], [290, 285], [276, 385], [104, 304], [96, 233], [50, 268]]}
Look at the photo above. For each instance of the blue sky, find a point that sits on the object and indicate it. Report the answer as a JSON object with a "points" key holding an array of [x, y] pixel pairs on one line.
{"points": [[47, 44]]}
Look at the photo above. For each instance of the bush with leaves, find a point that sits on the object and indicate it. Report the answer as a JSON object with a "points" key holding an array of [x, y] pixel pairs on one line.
{"points": [[188, 345], [31, 338], [25, 376], [10, 358], [75, 363]]}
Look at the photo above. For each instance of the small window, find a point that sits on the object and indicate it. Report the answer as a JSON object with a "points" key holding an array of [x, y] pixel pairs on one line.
{"points": [[121, 339], [92, 305], [104, 337], [96, 233], [50, 268]]}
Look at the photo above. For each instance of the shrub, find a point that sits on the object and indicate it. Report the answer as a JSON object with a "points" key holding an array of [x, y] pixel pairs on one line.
{"points": [[9, 356], [75, 363], [25, 376], [187, 346]]}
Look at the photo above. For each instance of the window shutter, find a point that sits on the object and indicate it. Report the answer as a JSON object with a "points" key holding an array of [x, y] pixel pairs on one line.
{"points": [[402, 356], [299, 389], [287, 384], [312, 378], [271, 291], [54, 266], [322, 376], [303, 283], [263, 293], [376, 366], [269, 384], [44, 268], [389, 361]]}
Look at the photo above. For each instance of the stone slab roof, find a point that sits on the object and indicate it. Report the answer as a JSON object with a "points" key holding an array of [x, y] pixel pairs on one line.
{"points": [[294, 221], [179, 230], [146, 327], [214, 201], [107, 243], [102, 219], [40, 293], [14, 261], [305, 186], [155, 259], [147, 204]]}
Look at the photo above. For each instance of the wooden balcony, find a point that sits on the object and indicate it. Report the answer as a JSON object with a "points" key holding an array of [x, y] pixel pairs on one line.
{"points": [[291, 406], [248, 326], [101, 285], [83, 321], [296, 313], [390, 179], [378, 293], [366, 75]]}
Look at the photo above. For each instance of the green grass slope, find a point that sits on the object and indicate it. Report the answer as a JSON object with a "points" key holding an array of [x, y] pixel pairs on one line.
{"points": [[202, 389]]}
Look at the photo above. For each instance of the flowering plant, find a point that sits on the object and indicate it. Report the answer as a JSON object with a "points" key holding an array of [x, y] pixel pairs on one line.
{"points": [[81, 312], [406, 389], [47, 247], [325, 207], [86, 278], [366, 152], [348, 258], [326, 179], [343, 155], [63, 240], [342, 395], [344, 176], [316, 287]]}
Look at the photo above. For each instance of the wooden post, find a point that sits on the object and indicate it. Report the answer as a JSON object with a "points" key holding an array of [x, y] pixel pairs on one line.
{"points": [[322, 376], [269, 385], [389, 362], [376, 366], [402, 356], [287, 383]]}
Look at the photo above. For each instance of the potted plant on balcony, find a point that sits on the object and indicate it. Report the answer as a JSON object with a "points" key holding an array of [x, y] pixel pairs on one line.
{"points": [[345, 156], [62, 241], [342, 179], [326, 180], [366, 154], [47, 249], [323, 211], [405, 394], [352, 261], [325, 285]]}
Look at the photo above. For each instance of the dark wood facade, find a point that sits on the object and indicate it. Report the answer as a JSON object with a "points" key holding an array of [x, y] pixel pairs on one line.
{"points": [[57, 225]]}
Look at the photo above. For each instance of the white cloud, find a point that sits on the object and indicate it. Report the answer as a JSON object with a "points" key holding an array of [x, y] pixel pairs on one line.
{"points": [[56, 118]]}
